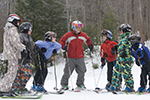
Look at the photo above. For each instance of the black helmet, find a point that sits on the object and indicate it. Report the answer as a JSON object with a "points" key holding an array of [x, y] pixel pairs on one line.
{"points": [[25, 27], [48, 35], [134, 39], [125, 28]]}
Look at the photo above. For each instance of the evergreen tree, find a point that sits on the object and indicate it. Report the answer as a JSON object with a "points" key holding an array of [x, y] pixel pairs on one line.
{"points": [[110, 22], [45, 15]]}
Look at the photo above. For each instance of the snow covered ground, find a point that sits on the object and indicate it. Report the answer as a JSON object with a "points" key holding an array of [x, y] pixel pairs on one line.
{"points": [[89, 83]]}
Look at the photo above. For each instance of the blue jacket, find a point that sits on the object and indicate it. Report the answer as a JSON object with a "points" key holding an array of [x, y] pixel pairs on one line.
{"points": [[49, 46], [139, 51]]}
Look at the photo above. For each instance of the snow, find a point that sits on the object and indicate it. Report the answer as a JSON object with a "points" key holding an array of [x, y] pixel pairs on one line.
{"points": [[89, 83]]}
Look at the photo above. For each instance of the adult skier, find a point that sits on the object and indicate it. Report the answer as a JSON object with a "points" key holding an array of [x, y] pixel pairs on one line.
{"points": [[25, 69], [123, 62], [44, 49], [12, 48], [142, 57], [72, 43], [108, 53]]}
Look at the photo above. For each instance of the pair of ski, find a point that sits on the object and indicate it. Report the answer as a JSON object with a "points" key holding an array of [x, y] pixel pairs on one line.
{"points": [[125, 92], [35, 95]]}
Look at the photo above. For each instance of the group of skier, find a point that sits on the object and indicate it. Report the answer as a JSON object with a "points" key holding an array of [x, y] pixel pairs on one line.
{"points": [[121, 56], [21, 51]]}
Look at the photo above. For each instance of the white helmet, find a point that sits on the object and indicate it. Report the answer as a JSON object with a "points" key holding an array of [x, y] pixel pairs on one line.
{"points": [[76, 24], [12, 17], [125, 28]]}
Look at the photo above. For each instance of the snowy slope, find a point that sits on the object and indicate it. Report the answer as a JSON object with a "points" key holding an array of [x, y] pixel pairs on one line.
{"points": [[89, 83]]}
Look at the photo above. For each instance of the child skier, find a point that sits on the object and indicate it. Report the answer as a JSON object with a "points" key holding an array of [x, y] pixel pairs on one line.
{"points": [[108, 53], [123, 62], [24, 69], [72, 42], [142, 57], [45, 49], [12, 48]]}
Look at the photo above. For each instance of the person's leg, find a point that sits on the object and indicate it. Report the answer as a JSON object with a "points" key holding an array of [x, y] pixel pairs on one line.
{"points": [[116, 78], [69, 67], [9, 77], [128, 78], [80, 69]]}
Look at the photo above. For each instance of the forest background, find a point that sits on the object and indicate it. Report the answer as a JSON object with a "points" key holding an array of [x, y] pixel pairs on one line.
{"points": [[57, 16]]}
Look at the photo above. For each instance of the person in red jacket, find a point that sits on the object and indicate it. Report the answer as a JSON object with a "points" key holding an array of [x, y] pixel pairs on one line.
{"points": [[72, 43], [108, 53]]}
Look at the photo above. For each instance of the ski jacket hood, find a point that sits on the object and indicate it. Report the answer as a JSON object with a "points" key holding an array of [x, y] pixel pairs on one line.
{"points": [[11, 42]]}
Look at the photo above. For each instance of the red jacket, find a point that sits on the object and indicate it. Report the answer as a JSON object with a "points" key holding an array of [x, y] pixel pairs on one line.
{"points": [[106, 47], [74, 43]]}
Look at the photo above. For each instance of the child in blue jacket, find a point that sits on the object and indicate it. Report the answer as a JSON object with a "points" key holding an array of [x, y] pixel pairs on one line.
{"points": [[44, 49], [142, 57]]}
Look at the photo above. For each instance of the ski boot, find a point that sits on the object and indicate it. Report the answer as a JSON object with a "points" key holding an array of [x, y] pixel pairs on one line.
{"points": [[111, 88], [108, 86], [8, 94], [148, 90], [33, 88], [127, 89], [64, 87], [82, 87], [40, 88], [142, 89]]}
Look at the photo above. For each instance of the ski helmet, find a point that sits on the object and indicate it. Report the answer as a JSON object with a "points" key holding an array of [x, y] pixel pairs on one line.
{"points": [[25, 27], [48, 35], [14, 18], [134, 39], [76, 24], [107, 33], [125, 28]]}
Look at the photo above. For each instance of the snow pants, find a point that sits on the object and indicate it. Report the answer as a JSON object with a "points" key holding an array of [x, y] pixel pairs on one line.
{"points": [[79, 65], [110, 66], [145, 71], [123, 68], [23, 75], [9, 77], [41, 72]]}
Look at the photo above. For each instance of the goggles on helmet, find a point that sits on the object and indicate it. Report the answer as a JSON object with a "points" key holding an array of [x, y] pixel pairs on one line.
{"points": [[104, 32], [78, 25], [53, 34]]}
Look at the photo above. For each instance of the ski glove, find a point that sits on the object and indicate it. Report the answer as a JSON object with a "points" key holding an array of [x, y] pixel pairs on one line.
{"points": [[65, 48], [91, 47], [103, 62], [114, 50], [24, 53], [137, 62], [54, 51]]}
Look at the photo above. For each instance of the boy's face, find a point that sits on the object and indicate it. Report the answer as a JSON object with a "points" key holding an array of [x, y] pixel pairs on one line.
{"points": [[53, 39], [78, 29], [104, 37], [29, 32]]}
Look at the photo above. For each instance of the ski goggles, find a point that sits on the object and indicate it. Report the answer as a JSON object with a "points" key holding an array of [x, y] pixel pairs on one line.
{"points": [[104, 32], [78, 25], [53, 34]]}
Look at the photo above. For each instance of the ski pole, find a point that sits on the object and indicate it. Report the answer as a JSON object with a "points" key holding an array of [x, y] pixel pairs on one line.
{"points": [[99, 77], [55, 73], [93, 69], [67, 61]]}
